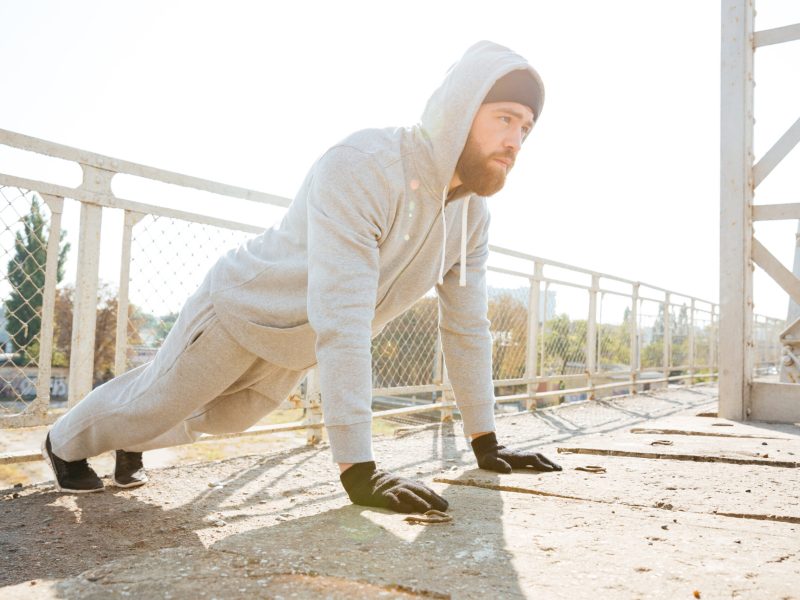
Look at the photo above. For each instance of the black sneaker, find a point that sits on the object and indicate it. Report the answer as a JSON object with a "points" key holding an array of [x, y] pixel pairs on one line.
{"points": [[129, 471], [76, 477]]}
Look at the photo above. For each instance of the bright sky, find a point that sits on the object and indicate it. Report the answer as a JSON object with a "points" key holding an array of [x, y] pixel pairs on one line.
{"points": [[620, 175]]}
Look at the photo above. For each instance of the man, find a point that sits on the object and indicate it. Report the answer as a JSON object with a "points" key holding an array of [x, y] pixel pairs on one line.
{"points": [[381, 218]]}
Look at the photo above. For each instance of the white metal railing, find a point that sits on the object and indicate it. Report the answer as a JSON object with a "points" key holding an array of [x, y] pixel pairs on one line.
{"points": [[560, 332]]}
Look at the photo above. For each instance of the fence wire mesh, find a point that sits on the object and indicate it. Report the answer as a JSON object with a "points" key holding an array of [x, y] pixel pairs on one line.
{"points": [[767, 352], [614, 329], [169, 259], [678, 343], [24, 231], [651, 328], [406, 351], [564, 331], [508, 317], [704, 338]]}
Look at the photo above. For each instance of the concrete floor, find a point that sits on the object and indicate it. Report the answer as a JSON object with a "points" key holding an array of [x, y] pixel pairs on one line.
{"points": [[653, 502]]}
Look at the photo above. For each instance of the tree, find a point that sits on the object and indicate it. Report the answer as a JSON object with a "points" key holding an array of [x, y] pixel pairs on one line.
{"points": [[404, 353], [26, 274], [564, 343], [509, 326], [105, 330]]}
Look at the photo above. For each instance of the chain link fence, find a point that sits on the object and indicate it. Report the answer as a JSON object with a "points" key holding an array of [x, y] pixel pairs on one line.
{"points": [[25, 220], [590, 340], [169, 257], [767, 352], [168, 261]]}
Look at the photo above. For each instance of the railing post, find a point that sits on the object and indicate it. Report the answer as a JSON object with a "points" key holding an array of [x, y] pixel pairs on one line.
{"points": [[667, 357], [713, 341], [447, 395], [692, 369], [440, 378], [81, 362], [532, 355], [313, 405], [634, 332], [123, 298], [591, 336], [45, 361]]}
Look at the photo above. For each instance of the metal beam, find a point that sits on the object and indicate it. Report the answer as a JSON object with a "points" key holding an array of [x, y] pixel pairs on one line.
{"points": [[88, 196], [777, 35], [777, 153], [777, 402], [782, 276], [776, 212], [84, 157]]}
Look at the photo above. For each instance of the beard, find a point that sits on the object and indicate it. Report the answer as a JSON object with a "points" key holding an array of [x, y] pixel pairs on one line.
{"points": [[477, 171]]}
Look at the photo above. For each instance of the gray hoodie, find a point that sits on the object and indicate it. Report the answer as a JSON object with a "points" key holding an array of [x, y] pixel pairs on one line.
{"points": [[367, 235]]}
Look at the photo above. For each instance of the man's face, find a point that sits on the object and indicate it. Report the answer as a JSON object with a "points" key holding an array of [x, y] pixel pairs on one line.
{"points": [[494, 140]]}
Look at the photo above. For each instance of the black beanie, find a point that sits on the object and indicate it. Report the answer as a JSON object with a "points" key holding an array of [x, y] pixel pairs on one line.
{"points": [[517, 86]]}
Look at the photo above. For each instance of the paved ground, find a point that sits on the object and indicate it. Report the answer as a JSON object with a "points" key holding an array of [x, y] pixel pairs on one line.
{"points": [[683, 506]]}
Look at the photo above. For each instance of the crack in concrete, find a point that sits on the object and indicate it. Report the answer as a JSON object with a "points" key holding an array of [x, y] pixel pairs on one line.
{"points": [[657, 505], [786, 464], [704, 433]]}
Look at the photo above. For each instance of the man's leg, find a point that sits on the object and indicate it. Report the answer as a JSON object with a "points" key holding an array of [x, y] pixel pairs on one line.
{"points": [[196, 362], [147, 402], [257, 393]]}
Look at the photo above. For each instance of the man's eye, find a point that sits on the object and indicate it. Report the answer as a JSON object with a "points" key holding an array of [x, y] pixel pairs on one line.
{"points": [[506, 120]]}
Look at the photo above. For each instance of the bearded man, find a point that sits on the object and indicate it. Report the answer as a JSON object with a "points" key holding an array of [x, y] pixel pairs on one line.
{"points": [[380, 219]]}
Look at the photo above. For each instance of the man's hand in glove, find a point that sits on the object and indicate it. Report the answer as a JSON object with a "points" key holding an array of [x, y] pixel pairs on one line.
{"points": [[369, 487], [500, 459]]}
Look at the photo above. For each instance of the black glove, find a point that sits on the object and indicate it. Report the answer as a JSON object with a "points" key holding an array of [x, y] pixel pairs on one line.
{"points": [[369, 487], [501, 460]]}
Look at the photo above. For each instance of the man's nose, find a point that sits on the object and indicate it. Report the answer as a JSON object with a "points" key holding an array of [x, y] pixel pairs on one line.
{"points": [[513, 141]]}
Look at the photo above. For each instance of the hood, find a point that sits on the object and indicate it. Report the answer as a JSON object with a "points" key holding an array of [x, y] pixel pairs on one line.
{"points": [[449, 113]]}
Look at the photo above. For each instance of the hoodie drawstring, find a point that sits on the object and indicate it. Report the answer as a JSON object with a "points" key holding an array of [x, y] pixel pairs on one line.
{"points": [[462, 280], [444, 236]]}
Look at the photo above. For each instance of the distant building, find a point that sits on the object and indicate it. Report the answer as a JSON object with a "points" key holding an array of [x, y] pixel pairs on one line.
{"points": [[6, 345]]}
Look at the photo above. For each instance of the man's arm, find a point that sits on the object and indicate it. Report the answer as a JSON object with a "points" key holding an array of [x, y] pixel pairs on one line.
{"points": [[466, 339], [467, 346], [347, 206]]}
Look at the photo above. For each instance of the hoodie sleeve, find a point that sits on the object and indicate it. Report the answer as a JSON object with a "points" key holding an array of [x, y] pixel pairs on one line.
{"points": [[466, 340], [347, 203]]}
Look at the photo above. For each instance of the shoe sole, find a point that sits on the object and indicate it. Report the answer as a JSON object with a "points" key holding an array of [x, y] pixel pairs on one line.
{"points": [[58, 487], [128, 485], [125, 485]]}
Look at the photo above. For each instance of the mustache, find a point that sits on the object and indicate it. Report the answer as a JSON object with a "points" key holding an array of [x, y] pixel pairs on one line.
{"points": [[508, 154]]}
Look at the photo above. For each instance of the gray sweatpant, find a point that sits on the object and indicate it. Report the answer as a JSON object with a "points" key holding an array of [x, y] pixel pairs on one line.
{"points": [[200, 381]]}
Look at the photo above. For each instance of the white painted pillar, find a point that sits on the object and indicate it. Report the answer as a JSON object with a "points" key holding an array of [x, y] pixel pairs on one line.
{"points": [[736, 197], [84, 318], [45, 362], [123, 298]]}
